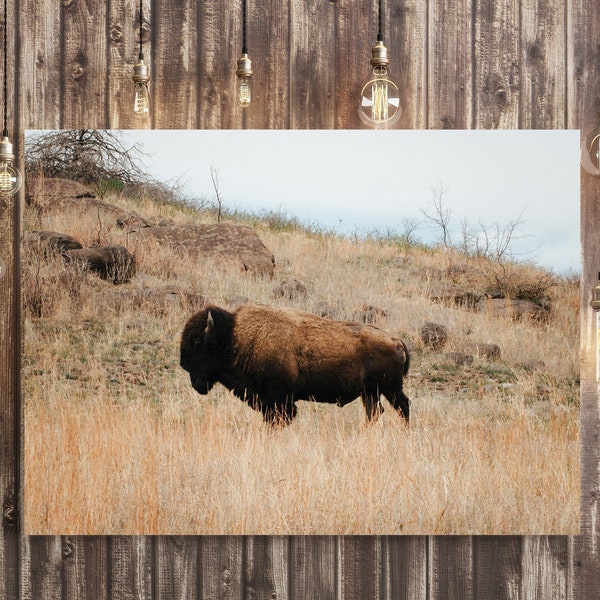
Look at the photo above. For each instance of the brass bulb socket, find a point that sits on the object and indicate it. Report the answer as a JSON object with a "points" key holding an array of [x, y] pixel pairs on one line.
{"points": [[244, 66], [140, 73], [379, 55], [6, 150]]}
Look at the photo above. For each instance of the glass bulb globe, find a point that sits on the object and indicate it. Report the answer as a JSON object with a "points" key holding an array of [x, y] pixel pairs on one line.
{"points": [[10, 178], [244, 91], [379, 99], [590, 153], [141, 100]]}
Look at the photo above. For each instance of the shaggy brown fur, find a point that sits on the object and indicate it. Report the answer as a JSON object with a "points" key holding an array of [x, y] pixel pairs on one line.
{"points": [[272, 357]]}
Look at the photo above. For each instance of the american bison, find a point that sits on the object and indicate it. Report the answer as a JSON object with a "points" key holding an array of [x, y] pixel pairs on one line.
{"points": [[272, 357]]}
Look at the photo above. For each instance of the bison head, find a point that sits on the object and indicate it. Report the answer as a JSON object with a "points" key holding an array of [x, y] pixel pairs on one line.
{"points": [[199, 351]]}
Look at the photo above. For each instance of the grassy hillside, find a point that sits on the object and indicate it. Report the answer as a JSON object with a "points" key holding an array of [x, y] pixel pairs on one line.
{"points": [[117, 441]]}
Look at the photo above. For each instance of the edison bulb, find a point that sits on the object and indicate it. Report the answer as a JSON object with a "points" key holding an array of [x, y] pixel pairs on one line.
{"points": [[244, 91], [141, 97], [10, 177], [141, 100], [590, 154], [379, 99], [244, 74]]}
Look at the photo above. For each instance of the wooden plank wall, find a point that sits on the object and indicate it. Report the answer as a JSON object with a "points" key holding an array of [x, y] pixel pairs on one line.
{"points": [[462, 64]]}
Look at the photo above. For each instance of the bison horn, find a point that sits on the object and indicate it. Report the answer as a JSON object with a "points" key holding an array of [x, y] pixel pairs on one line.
{"points": [[210, 324]]}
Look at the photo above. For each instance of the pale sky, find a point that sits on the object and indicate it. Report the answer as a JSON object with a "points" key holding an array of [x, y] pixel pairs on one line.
{"points": [[355, 181]]}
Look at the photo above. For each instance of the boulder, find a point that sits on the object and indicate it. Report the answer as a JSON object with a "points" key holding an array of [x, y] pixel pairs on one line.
{"points": [[113, 263], [221, 242], [291, 290], [514, 309], [52, 240], [455, 295], [460, 358], [369, 314], [43, 191], [433, 335], [484, 350]]}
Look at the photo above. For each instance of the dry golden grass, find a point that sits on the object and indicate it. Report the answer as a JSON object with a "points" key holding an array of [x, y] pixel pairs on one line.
{"points": [[116, 440]]}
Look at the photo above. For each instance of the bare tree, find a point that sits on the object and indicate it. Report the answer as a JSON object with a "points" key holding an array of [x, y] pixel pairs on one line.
{"points": [[439, 214], [90, 156], [214, 175]]}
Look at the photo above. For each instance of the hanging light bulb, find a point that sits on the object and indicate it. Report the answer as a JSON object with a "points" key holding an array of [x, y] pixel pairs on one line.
{"points": [[141, 96], [244, 68], [379, 98], [244, 75], [10, 177], [590, 152]]}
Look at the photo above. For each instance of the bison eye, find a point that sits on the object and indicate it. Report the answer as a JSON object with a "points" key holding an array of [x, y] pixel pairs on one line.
{"points": [[197, 341]]}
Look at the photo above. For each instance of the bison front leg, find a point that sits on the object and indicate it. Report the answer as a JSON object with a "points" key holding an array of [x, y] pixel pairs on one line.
{"points": [[401, 403], [279, 412]]}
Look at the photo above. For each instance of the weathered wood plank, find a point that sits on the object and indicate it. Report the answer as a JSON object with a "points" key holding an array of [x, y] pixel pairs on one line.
{"points": [[41, 60], [45, 562], [312, 58], [269, 49], [219, 47], [405, 567], [583, 33], [450, 68], [267, 566], [222, 559], [313, 567], [360, 568], [175, 63], [496, 47], [131, 568], [123, 50], [85, 568], [356, 35], [545, 568], [542, 100], [451, 567], [497, 567], [84, 73], [407, 35], [176, 570]]}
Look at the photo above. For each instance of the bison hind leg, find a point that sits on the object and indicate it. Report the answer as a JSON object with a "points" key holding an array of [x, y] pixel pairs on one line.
{"points": [[401, 403], [372, 405]]}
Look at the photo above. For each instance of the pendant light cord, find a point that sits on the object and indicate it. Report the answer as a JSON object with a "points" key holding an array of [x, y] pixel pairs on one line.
{"points": [[380, 31], [5, 131], [244, 46], [141, 57]]}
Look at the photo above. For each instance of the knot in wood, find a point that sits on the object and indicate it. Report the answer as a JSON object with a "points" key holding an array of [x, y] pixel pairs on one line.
{"points": [[68, 549], [116, 34], [77, 72], [9, 514], [502, 97], [69, 3]]}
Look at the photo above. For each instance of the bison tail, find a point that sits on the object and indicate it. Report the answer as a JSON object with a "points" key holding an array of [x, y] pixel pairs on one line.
{"points": [[407, 361]]}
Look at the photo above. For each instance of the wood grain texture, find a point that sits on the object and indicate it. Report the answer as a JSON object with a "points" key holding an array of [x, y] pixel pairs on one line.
{"points": [[84, 70], [312, 52], [450, 64], [461, 64], [543, 79], [222, 567], [496, 64], [313, 564], [175, 49]]}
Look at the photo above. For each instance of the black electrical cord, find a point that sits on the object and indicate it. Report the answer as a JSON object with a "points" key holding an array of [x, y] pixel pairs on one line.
{"points": [[141, 31], [5, 132], [244, 46], [380, 31]]}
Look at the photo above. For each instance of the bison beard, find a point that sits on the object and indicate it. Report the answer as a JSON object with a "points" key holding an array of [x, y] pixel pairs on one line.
{"points": [[272, 357]]}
